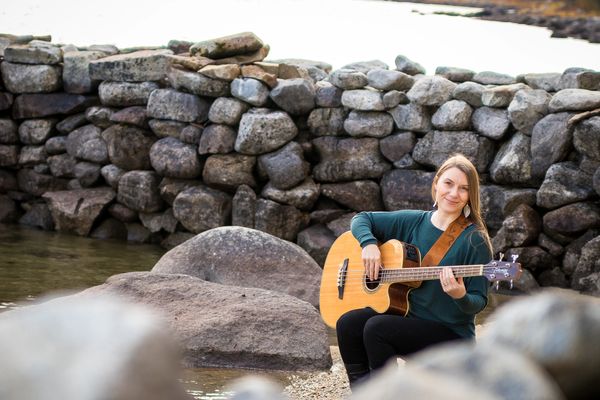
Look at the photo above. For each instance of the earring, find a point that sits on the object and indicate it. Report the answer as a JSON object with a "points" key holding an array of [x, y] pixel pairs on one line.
{"points": [[467, 211], [435, 204]]}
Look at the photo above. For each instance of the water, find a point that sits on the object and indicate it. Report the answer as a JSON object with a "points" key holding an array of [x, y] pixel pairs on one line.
{"points": [[335, 31]]}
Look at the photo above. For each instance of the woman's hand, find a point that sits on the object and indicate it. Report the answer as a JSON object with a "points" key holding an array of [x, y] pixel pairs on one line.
{"points": [[453, 287], [371, 256]]}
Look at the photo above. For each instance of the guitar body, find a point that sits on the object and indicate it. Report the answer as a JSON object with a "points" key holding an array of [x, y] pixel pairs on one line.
{"points": [[344, 285]]}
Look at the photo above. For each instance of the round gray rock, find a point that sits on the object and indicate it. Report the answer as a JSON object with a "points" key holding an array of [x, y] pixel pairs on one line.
{"points": [[175, 159], [263, 130]]}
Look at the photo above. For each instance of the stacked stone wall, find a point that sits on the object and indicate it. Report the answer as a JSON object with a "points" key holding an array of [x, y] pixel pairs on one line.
{"points": [[157, 145]]}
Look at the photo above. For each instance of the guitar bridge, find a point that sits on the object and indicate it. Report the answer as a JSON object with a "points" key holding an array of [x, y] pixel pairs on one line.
{"points": [[341, 280]]}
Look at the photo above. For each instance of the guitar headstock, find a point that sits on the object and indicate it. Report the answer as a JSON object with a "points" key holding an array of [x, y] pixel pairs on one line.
{"points": [[496, 271]]}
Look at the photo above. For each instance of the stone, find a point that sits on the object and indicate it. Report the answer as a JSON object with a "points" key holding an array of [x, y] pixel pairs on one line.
{"points": [[534, 328], [586, 138], [554, 277], [431, 91], [167, 128], [201, 208], [8, 210], [469, 92], [76, 210], [493, 123], [549, 82], [178, 106], [128, 147], [161, 221], [139, 359], [250, 90], [125, 94], [285, 167], [455, 74], [9, 155], [316, 240], [110, 229], [36, 131], [217, 139], [100, 116], [454, 115], [564, 183], [262, 131], [56, 145], [76, 71], [579, 78], [248, 58], [108, 49], [363, 99], [8, 181], [227, 46], [327, 95], [369, 123], [327, 121], [534, 257], [501, 96], [435, 147], [348, 159], [243, 207], [228, 171], [546, 243], [513, 162], [30, 155], [225, 72], [394, 98], [111, 174], [493, 78], [169, 188], [527, 108], [38, 216], [227, 111], [33, 54], [386, 80], [137, 233], [24, 78], [6, 100], [407, 189], [139, 66], [521, 228], [412, 117], [36, 184], [122, 213], [573, 251], [303, 196], [341, 224], [175, 239], [498, 202], [138, 190], [135, 115], [279, 220], [295, 96], [396, 146], [44, 105], [572, 219], [172, 158], [404, 64], [574, 100], [258, 72], [366, 66], [585, 277], [356, 195], [191, 134], [9, 131], [348, 79], [62, 165], [86, 143], [551, 141], [197, 84]]}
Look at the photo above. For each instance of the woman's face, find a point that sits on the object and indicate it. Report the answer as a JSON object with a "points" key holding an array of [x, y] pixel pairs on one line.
{"points": [[452, 191]]}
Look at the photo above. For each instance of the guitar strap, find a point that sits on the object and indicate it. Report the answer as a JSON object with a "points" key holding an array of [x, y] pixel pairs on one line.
{"points": [[445, 241]]}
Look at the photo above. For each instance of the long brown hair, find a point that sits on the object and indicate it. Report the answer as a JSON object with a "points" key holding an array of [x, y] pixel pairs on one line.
{"points": [[462, 163]]}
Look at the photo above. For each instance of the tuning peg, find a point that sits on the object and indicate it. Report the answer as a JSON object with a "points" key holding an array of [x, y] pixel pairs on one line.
{"points": [[497, 285], [501, 255], [514, 257], [511, 284]]}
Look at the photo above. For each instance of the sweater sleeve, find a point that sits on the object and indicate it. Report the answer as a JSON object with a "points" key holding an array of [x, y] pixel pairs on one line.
{"points": [[381, 226], [477, 287]]}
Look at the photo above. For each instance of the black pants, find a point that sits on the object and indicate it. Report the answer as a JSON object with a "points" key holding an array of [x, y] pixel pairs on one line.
{"points": [[368, 338]]}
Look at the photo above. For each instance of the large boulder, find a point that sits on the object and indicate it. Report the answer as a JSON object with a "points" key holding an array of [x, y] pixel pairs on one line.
{"points": [[246, 257], [228, 326], [76, 210], [116, 350]]}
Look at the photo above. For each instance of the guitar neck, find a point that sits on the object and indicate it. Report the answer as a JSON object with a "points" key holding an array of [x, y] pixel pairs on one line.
{"points": [[428, 273]]}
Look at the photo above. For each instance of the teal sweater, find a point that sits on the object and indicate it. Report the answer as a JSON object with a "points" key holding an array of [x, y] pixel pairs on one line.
{"points": [[429, 300]]}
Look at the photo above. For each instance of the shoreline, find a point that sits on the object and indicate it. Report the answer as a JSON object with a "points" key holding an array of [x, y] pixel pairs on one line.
{"points": [[584, 26]]}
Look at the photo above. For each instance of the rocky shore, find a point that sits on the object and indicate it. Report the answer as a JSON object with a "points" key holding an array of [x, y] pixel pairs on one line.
{"points": [[571, 22]]}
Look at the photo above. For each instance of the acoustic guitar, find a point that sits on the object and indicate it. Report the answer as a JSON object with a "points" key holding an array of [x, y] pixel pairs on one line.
{"points": [[345, 286]]}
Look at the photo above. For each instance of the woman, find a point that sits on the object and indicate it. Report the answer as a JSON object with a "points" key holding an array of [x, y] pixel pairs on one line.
{"points": [[440, 310]]}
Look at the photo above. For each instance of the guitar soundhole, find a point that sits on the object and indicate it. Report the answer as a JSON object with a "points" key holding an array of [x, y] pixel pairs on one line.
{"points": [[372, 284]]}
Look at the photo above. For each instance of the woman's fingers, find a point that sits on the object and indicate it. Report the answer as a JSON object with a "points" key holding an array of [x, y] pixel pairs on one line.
{"points": [[371, 257]]}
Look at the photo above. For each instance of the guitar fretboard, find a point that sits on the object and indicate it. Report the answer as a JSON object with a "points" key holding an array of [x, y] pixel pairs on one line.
{"points": [[428, 273]]}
